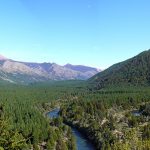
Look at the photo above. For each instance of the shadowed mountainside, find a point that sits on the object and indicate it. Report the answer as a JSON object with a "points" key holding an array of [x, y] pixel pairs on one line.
{"points": [[134, 71]]}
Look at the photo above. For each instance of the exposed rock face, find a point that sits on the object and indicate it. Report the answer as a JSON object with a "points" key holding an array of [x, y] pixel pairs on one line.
{"points": [[24, 72], [2, 57]]}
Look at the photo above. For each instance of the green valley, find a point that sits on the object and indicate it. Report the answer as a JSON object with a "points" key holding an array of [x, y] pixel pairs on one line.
{"points": [[112, 110]]}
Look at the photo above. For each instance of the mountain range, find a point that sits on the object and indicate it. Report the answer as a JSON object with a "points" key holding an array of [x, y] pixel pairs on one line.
{"points": [[132, 72], [26, 72]]}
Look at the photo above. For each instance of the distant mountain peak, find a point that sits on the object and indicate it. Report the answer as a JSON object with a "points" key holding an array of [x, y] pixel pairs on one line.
{"points": [[81, 68], [3, 57], [28, 72]]}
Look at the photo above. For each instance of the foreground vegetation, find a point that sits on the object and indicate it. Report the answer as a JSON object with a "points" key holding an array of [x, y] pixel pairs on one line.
{"points": [[23, 124], [114, 118]]}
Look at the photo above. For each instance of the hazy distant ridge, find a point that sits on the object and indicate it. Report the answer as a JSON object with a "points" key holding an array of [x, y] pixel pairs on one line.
{"points": [[25, 72]]}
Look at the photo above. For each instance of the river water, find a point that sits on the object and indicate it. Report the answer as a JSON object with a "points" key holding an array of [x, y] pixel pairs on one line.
{"points": [[136, 113], [82, 142]]}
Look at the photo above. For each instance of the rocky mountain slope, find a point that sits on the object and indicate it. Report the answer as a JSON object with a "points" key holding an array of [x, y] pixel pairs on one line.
{"points": [[25, 72], [134, 71]]}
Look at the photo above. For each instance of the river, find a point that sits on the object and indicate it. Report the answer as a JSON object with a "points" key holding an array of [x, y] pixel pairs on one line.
{"points": [[82, 142], [136, 113]]}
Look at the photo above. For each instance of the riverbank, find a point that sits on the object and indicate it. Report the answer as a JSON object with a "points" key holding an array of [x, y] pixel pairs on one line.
{"points": [[82, 142]]}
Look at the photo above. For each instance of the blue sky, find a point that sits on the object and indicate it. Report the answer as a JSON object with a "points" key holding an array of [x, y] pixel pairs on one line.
{"points": [[90, 32]]}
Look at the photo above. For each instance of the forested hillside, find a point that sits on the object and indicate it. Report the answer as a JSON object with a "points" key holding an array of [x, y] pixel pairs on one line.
{"points": [[23, 121], [132, 72], [112, 119]]}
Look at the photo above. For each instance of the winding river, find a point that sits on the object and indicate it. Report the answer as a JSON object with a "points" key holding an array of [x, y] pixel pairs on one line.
{"points": [[81, 141]]}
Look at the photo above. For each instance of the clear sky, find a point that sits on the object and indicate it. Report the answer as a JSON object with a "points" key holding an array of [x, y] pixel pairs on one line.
{"points": [[90, 32]]}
